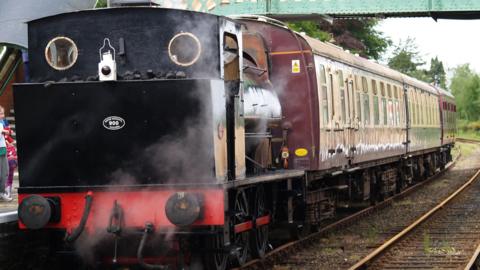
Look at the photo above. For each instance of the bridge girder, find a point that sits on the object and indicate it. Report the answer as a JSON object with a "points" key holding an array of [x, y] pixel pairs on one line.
{"points": [[304, 9]]}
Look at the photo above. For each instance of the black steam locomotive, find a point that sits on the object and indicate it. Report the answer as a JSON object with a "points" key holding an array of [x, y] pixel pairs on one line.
{"points": [[150, 136]]}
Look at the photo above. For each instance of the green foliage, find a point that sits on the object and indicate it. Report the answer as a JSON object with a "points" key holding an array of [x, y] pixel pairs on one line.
{"points": [[310, 28], [437, 73], [358, 36], [465, 86], [101, 4], [406, 58], [374, 41]]}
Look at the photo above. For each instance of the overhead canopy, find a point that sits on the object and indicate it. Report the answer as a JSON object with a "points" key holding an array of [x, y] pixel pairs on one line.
{"points": [[15, 13]]}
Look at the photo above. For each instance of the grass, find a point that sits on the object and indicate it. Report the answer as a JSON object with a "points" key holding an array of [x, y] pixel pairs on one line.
{"points": [[330, 251], [445, 248], [469, 134], [426, 242], [371, 234]]}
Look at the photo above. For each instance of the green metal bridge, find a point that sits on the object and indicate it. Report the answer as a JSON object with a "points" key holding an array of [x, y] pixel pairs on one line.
{"points": [[14, 14], [302, 9]]}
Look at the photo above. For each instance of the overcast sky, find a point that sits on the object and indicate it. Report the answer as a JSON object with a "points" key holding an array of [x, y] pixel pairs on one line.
{"points": [[455, 42]]}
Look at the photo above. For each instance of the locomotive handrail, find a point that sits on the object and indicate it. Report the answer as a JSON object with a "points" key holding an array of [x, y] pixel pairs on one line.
{"points": [[77, 231], [147, 230]]}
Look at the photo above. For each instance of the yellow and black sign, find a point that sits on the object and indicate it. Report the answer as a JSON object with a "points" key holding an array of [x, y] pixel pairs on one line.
{"points": [[295, 66]]}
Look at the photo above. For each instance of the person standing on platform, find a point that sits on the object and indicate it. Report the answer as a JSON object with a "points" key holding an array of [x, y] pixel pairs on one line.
{"points": [[12, 164], [3, 157]]}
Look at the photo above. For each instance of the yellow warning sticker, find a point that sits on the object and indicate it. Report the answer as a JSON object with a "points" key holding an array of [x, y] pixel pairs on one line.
{"points": [[295, 66], [301, 152]]}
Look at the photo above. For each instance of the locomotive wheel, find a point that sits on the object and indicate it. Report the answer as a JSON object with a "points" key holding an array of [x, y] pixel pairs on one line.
{"points": [[259, 235], [242, 214], [216, 260]]}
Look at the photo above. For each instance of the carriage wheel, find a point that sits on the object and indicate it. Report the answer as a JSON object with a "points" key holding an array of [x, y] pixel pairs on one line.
{"points": [[242, 214], [259, 235], [217, 259]]}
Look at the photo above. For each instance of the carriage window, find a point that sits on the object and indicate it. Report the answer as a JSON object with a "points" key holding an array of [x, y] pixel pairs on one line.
{"points": [[389, 91], [376, 111], [332, 96], [432, 115], [341, 84], [418, 108], [390, 112], [402, 112], [382, 89], [357, 83], [374, 87], [410, 112], [424, 106], [397, 113], [323, 78], [364, 85], [325, 104], [323, 95], [395, 92], [366, 109], [342, 100], [414, 108], [61, 53], [429, 111], [384, 110], [359, 107]]}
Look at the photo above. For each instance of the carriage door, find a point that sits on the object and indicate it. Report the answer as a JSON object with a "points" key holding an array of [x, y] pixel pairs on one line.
{"points": [[341, 117], [350, 127]]}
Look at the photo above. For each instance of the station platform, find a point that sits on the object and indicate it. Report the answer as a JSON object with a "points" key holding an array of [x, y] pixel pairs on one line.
{"points": [[8, 210]]}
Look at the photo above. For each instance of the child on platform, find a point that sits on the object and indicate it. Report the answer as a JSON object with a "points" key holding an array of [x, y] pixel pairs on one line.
{"points": [[3, 157], [12, 164]]}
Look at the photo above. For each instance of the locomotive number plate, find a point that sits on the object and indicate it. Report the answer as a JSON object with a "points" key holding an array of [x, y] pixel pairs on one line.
{"points": [[113, 123]]}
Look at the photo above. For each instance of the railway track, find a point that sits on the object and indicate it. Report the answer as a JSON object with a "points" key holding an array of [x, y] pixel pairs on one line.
{"points": [[464, 140], [279, 253], [447, 237]]}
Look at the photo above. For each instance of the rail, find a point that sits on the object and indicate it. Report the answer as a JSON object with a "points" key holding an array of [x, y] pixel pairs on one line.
{"points": [[474, 257]]}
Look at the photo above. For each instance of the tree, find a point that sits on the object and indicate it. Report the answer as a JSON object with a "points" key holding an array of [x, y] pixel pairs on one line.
{"points": [[437, 72], [406, 59], [358, 36], [312, 29], [465, 87]]}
